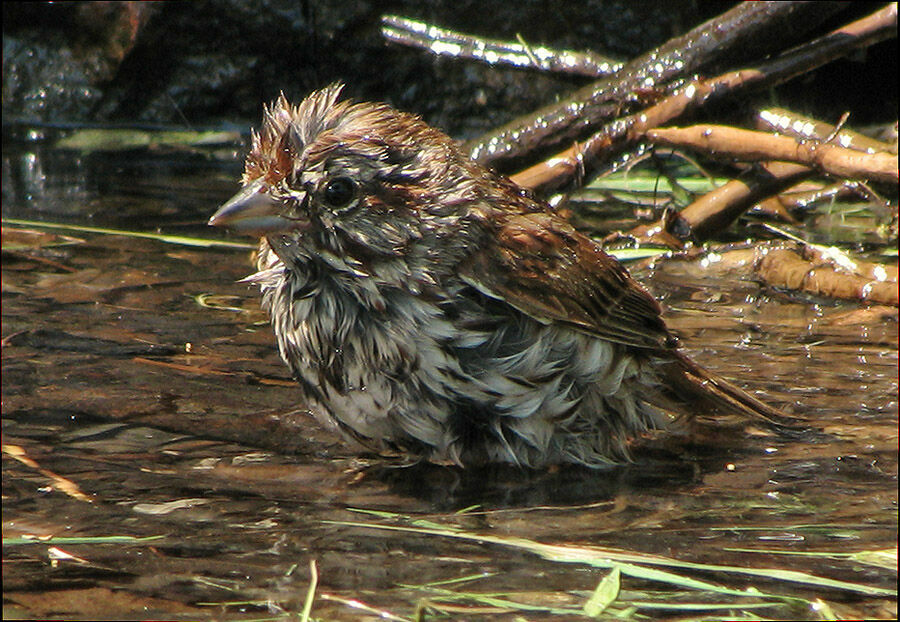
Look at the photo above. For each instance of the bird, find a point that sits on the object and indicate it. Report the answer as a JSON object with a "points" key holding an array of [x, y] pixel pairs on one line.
{"points": [[429, 307]]}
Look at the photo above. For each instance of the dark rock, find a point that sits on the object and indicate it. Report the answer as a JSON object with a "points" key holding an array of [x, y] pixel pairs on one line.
{"points": [[190, 63], [204, 62]]}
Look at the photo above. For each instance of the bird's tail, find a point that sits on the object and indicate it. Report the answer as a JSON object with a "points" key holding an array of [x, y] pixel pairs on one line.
{"points": [[697, 390]]}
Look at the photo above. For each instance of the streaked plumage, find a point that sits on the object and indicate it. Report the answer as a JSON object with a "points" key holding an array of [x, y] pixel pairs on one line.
{"points": [[428, 306]]}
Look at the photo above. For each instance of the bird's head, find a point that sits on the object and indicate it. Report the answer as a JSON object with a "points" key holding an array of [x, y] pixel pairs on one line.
{"points": [[346, 178]]}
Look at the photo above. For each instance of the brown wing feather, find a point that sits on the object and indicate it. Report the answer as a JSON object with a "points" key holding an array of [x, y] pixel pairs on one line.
{"points": [[542, 266]]}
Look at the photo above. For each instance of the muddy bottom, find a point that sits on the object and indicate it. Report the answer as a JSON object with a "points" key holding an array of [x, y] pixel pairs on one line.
{"points": [[158, 462]]}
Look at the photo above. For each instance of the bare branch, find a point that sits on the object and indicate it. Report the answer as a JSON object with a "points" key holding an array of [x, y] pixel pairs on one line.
{"points": [[749, 145], [444, 42]]}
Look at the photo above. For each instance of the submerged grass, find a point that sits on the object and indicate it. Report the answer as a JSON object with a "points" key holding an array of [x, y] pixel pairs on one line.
{"points": [[311, 593], [159, 237], [125, 139], [24, 540], [683, 592], [625, 254], [630, 563], [880, 558], [606, 593]]}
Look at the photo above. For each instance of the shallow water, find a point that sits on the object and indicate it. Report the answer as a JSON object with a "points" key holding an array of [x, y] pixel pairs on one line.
{"points": [[142, 396]]}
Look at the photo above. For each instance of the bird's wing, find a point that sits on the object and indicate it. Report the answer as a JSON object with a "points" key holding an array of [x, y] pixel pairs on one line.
{"points": [[539, 264]]}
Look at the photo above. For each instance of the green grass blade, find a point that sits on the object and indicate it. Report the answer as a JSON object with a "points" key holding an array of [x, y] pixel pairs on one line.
{"points": [[159, 237], [606, 594], [635, 564], [24, 540]]}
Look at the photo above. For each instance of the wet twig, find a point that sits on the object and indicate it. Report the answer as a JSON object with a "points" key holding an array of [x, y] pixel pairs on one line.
{"points": [[586, 158], [800, 199], [748, 26], [59, 482], [814, 272], [790, 123], [752, 146], [444, 42], [716, 210]]}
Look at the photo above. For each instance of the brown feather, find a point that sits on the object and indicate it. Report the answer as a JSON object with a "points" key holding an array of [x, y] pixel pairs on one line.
{"points": [[542, 266]]}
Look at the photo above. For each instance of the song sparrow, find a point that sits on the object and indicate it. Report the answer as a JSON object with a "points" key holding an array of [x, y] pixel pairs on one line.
{"points": [[429, 306]]}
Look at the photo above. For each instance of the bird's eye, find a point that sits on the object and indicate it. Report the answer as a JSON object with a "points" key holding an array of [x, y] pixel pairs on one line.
{"points": [[339, 191]]}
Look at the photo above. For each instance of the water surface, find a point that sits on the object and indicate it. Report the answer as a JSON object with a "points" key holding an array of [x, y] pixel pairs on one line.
{"points": [[142, 396]]}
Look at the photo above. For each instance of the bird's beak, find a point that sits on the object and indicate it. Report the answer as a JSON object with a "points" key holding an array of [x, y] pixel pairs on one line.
{"points": [[252, 211]]}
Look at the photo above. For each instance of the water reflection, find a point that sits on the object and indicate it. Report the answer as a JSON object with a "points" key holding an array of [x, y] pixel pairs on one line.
{"points": [[132, 189]]}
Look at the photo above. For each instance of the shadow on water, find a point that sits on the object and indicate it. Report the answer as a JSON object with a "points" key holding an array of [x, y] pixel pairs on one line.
{"points": [[142, 397]]}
